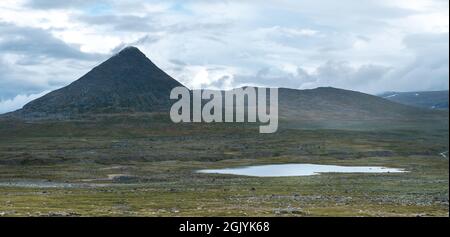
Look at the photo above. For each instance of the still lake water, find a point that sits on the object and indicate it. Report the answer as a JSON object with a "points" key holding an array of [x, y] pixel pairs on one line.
{"points": [[285, 170]]}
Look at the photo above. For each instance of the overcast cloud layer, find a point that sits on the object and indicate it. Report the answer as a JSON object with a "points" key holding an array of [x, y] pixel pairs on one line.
{"points": [[371, 45]]}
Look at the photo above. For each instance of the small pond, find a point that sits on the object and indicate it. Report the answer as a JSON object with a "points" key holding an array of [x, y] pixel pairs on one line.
{"points": [[285, 170]]}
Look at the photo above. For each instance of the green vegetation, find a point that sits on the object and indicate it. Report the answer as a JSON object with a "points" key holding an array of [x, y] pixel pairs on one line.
{"points": [[144, 166]]}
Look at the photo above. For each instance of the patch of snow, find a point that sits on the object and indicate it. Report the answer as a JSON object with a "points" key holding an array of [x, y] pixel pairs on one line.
{"points": [[390, 96]]}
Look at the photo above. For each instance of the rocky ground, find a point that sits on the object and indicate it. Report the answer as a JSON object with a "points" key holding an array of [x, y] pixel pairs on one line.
{"points": [[146, 167]]}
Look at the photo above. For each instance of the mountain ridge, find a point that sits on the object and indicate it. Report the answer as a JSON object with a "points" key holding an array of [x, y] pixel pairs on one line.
{"points": [[422, 99], [129, 82]]}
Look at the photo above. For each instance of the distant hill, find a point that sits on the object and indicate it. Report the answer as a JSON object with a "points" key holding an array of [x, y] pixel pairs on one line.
{"points": [[422, 99], [327, 103], [127, 82], [333, 108]]}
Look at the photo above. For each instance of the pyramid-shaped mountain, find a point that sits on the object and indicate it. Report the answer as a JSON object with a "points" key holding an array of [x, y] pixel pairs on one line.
{"points": [[127, 82]]}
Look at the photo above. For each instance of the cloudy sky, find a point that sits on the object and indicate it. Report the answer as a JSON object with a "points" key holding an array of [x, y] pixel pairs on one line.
{"points": [[366, 45]]}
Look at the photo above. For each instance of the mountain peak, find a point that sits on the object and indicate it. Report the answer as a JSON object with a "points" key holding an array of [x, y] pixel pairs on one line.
{"points": [[129, 53], [130, 50], [126, 82]]}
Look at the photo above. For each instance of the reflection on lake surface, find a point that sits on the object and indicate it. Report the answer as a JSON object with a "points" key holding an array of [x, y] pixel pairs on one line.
{"points": [[298, 170]]}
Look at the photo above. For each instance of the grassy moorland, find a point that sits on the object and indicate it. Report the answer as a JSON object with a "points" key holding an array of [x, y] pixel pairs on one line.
{"points": [[145, 166]]}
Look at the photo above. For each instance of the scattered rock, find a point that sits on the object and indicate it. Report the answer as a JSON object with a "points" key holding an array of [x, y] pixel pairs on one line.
{"points": [[60, 214]]}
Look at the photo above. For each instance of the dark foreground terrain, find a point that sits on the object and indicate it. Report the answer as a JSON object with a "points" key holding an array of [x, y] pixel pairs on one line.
{"points": [[143, 165]]}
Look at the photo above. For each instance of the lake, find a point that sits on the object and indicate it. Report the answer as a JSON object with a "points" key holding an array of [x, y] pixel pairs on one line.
{"points": [[284, 170]]}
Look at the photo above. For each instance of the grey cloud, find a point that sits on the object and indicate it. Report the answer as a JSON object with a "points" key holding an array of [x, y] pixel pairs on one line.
{"points": [[18, 101], [33, 60], [11, 83], [197, 26], [429, 70], [221, 83], [215, 39], [332, 73], [120, 23], [178, 62], [266, 77], [49, 4], [340, 74], [34, 42], [148, 39], [145, 40], [148, 24]]}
